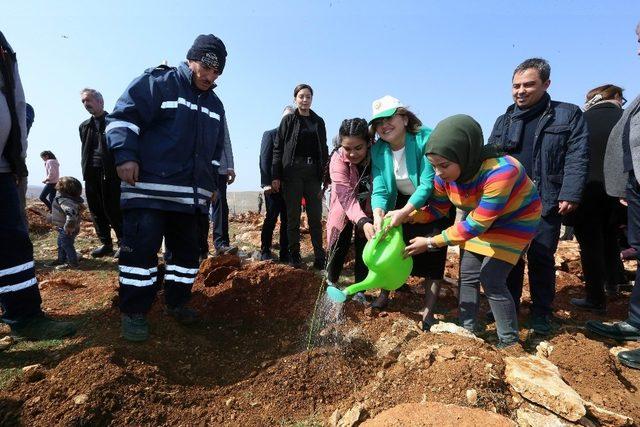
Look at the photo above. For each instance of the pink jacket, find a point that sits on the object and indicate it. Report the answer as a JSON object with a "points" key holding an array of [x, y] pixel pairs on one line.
{"points": [[344, 205], [52, 168]]}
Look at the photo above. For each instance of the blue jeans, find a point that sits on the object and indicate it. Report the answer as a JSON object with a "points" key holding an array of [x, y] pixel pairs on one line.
{"points": [[492, 273], [48, 194], [19, 294], [542, 268], [633, 234], [66, 249], [220, 214]]}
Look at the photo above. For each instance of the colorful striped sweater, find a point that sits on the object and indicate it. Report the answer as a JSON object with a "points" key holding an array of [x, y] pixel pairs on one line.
{"points": [[502, 205]]}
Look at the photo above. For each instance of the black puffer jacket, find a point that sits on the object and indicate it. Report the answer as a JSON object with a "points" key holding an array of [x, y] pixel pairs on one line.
{"points": [[284, 146]]}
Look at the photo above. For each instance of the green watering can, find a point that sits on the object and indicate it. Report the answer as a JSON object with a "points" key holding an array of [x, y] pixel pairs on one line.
{"points": [[388, 269]]}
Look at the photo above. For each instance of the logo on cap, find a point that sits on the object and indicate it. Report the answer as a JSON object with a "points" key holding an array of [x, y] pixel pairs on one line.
{"points": [[210, 59]]}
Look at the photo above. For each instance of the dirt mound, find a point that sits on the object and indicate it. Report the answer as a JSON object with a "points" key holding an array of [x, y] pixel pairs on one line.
{"points": [[258, 290], [250, 217], [38, 223], [436, 414], [599, 378]]}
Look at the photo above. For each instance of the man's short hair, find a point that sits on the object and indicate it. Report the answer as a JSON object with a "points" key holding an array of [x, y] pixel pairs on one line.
{"points": [[97, 95], [543, 67]]}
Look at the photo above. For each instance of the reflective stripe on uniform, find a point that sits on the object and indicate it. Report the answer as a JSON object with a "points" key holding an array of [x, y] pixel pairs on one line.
{"points": [[173, 277], [16, 269], [183, 270], [174, 104], [122, 124], [19, 286]]}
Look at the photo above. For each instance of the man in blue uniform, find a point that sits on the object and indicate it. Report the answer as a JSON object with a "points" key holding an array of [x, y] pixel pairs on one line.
{"points": [[166, 135]]}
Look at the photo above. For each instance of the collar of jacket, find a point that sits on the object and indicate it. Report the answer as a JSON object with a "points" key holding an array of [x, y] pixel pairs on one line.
{"points": [[604, 104], [511, 108], [185, 72], [312, 114]]}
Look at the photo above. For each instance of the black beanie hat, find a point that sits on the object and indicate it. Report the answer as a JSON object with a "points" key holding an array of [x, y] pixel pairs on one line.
{"points": [[209, 50]]}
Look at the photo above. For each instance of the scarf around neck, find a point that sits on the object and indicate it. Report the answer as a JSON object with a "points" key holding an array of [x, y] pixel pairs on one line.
{"points": [[519, 117]]}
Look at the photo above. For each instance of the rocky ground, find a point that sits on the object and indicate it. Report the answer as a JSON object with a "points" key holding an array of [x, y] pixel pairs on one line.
{"points": [[271, 350]]}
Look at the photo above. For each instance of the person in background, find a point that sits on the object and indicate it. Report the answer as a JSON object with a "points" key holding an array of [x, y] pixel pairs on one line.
{"points": [[402, 183], [65, 216], [622, 149], [260, 202], [349, 173], [299, 157], [101, 182], [549, 139], [19, 294], [274, 202], [503, 211], [52, 169], [595, 220], [220, 208]]}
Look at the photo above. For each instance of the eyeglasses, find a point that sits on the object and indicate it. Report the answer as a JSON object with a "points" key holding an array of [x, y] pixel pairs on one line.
{"points": [[624, 101], [383, 120]]}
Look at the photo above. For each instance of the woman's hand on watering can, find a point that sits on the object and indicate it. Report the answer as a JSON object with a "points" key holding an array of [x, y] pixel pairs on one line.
{"points": [[398, 216], [416, 246], [378, 217], [369, 230]]}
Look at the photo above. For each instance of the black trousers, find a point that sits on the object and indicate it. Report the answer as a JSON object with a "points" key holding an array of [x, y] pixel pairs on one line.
{"points": [[275, 208], [338, 253], [596, 229], [19, 294], [138, 263], [103, 199], [220, 214]]}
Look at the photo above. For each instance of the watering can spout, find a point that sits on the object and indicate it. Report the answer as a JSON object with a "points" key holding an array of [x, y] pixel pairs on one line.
{"points": [[388, 268]]}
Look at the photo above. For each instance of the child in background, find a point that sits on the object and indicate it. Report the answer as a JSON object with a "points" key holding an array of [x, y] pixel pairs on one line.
{"points": [[52, 168], [65, 216], [503, 211]]}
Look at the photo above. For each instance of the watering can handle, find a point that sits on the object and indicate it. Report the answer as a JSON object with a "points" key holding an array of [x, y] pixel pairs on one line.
{"points": [[383, 233]]}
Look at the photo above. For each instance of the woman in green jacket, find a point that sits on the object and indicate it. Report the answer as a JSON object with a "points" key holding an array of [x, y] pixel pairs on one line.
{"points": [[402, 183]]}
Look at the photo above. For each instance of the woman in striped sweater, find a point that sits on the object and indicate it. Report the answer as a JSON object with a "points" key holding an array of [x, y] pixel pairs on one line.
{"points": [[503, 211]]}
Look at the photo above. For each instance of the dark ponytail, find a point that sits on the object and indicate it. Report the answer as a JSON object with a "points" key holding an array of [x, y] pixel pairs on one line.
{"points": [[355, 127]]}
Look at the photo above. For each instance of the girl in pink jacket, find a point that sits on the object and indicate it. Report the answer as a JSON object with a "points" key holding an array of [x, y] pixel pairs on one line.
{"points": [[52, 169], [350, 202]]}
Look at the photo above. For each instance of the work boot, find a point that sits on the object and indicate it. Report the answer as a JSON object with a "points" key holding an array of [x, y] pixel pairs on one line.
{"points": [[183, 314], [585, 304], [630, 358], [266, 256], [134, 327], [40, 328], [541, 325], [104, 250], [621, 331], [227, 250], [295, 261]]}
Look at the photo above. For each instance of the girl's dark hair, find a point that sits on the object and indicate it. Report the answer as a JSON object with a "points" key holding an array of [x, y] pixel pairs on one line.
{"points": [[413, 125], [300, 87], [355, 127], [70, 186], [47, 155]]}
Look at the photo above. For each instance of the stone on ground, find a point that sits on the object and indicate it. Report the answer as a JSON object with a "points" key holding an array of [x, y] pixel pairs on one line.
{"points": [[451, 328]]}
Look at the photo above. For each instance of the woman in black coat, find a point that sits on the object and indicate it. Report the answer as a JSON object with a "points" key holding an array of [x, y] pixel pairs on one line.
{"points": [[299, 158], [597, 217]]}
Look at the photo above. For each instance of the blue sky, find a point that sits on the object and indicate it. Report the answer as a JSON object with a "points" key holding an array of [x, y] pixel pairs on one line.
{"points": [[438, 57]]}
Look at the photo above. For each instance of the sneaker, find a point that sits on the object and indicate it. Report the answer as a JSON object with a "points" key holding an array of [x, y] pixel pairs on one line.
{"points": [[55, 263], [585, 304], [541, 325], [227, 250], [183, 314], [266, 256], [68, 266], [40, 328], [134, 327], [103, 250]]}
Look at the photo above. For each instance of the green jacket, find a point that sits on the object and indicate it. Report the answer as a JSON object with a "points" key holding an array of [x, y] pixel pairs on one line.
{"points": [[420, 171]]}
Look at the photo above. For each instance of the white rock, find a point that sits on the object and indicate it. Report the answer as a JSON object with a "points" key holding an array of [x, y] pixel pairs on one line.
{"points": [[472, 396], [544, 349], [390, 345], [334, 419], [80, 399], [351, 417], [539, 381], [606, 417], [451, 328], [528, 418], [6, 342]]}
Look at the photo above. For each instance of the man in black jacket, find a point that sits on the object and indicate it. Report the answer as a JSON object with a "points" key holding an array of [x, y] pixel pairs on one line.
{"points": [[549, 138], [102, 185], [274, 202]]}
